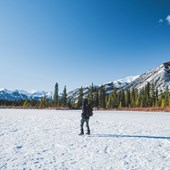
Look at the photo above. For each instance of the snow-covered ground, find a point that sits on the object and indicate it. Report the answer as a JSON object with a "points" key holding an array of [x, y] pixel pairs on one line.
{"points": [[49, 140]]}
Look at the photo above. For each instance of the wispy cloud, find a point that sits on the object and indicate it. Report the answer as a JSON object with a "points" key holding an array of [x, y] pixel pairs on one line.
{"points": [[168, 19], [161, 20]]}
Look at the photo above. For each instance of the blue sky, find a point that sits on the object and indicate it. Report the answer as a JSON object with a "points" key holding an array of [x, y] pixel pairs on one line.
{"points": [[79, 42]]}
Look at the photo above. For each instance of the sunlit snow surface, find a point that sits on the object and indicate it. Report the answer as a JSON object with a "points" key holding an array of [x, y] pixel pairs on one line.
{"points": [[48, 139]]}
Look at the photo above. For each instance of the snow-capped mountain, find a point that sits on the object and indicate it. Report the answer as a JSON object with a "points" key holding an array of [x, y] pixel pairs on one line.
{"points": [[23, 95], [159, 75], [118, 84]]}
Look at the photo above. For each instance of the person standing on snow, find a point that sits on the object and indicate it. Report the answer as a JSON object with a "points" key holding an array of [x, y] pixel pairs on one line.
{"points": [[87, 111]]}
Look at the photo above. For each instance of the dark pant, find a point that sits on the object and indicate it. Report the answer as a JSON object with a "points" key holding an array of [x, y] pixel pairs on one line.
{"points": [[82, 123]]}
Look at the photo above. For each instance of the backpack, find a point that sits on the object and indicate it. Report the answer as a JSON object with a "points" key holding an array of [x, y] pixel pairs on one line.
{"points": [[90, 110]]}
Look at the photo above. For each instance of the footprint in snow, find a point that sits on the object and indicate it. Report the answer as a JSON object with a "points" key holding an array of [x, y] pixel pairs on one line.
{"points": [[19, 147]]}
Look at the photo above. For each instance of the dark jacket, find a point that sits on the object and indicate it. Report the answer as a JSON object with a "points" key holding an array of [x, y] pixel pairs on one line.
{"points": [[86, 110]]}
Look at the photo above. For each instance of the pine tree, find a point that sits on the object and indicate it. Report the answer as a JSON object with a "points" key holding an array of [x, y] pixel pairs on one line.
{"points": [[70, 104], [123, 98], [80, 98], [90, 95], [153, 95], [109, 102], [161, 98], [102, 97], [127, 99], [140, 98], [96, 98], [163, 103], [133, 97], [120, 105], [167, 96], [156, 98], [120, 98], [146, 96], [64, 97], [43, 103], [137, 101], [156, 102], [56, 102], [113, 99]]}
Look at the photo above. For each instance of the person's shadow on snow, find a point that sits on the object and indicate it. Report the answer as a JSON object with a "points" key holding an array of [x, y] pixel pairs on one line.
{"points": [[129, 136]]}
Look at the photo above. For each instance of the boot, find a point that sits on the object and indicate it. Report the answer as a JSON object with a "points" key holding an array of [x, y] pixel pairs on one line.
{"points": [[82, 132], [88, 132]]}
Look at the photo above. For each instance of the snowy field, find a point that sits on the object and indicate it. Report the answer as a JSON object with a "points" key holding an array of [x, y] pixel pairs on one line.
{"points": [[49, 140]]}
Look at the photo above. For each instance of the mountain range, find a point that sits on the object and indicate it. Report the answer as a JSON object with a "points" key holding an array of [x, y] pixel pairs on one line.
{"points": [[23, 95], [118, 84], [159, 75]]}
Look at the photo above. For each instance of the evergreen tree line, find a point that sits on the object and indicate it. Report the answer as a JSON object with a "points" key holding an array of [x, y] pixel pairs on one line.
{"points": [[146, 97], [98, 98], [43, 103]]}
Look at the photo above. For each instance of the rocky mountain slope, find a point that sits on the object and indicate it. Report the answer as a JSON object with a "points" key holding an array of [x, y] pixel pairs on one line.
{"points": [[159, 75]]}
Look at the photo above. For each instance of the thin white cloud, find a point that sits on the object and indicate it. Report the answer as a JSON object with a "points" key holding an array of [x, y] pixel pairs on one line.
{"points": [[161, 20], [168, 19]]}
